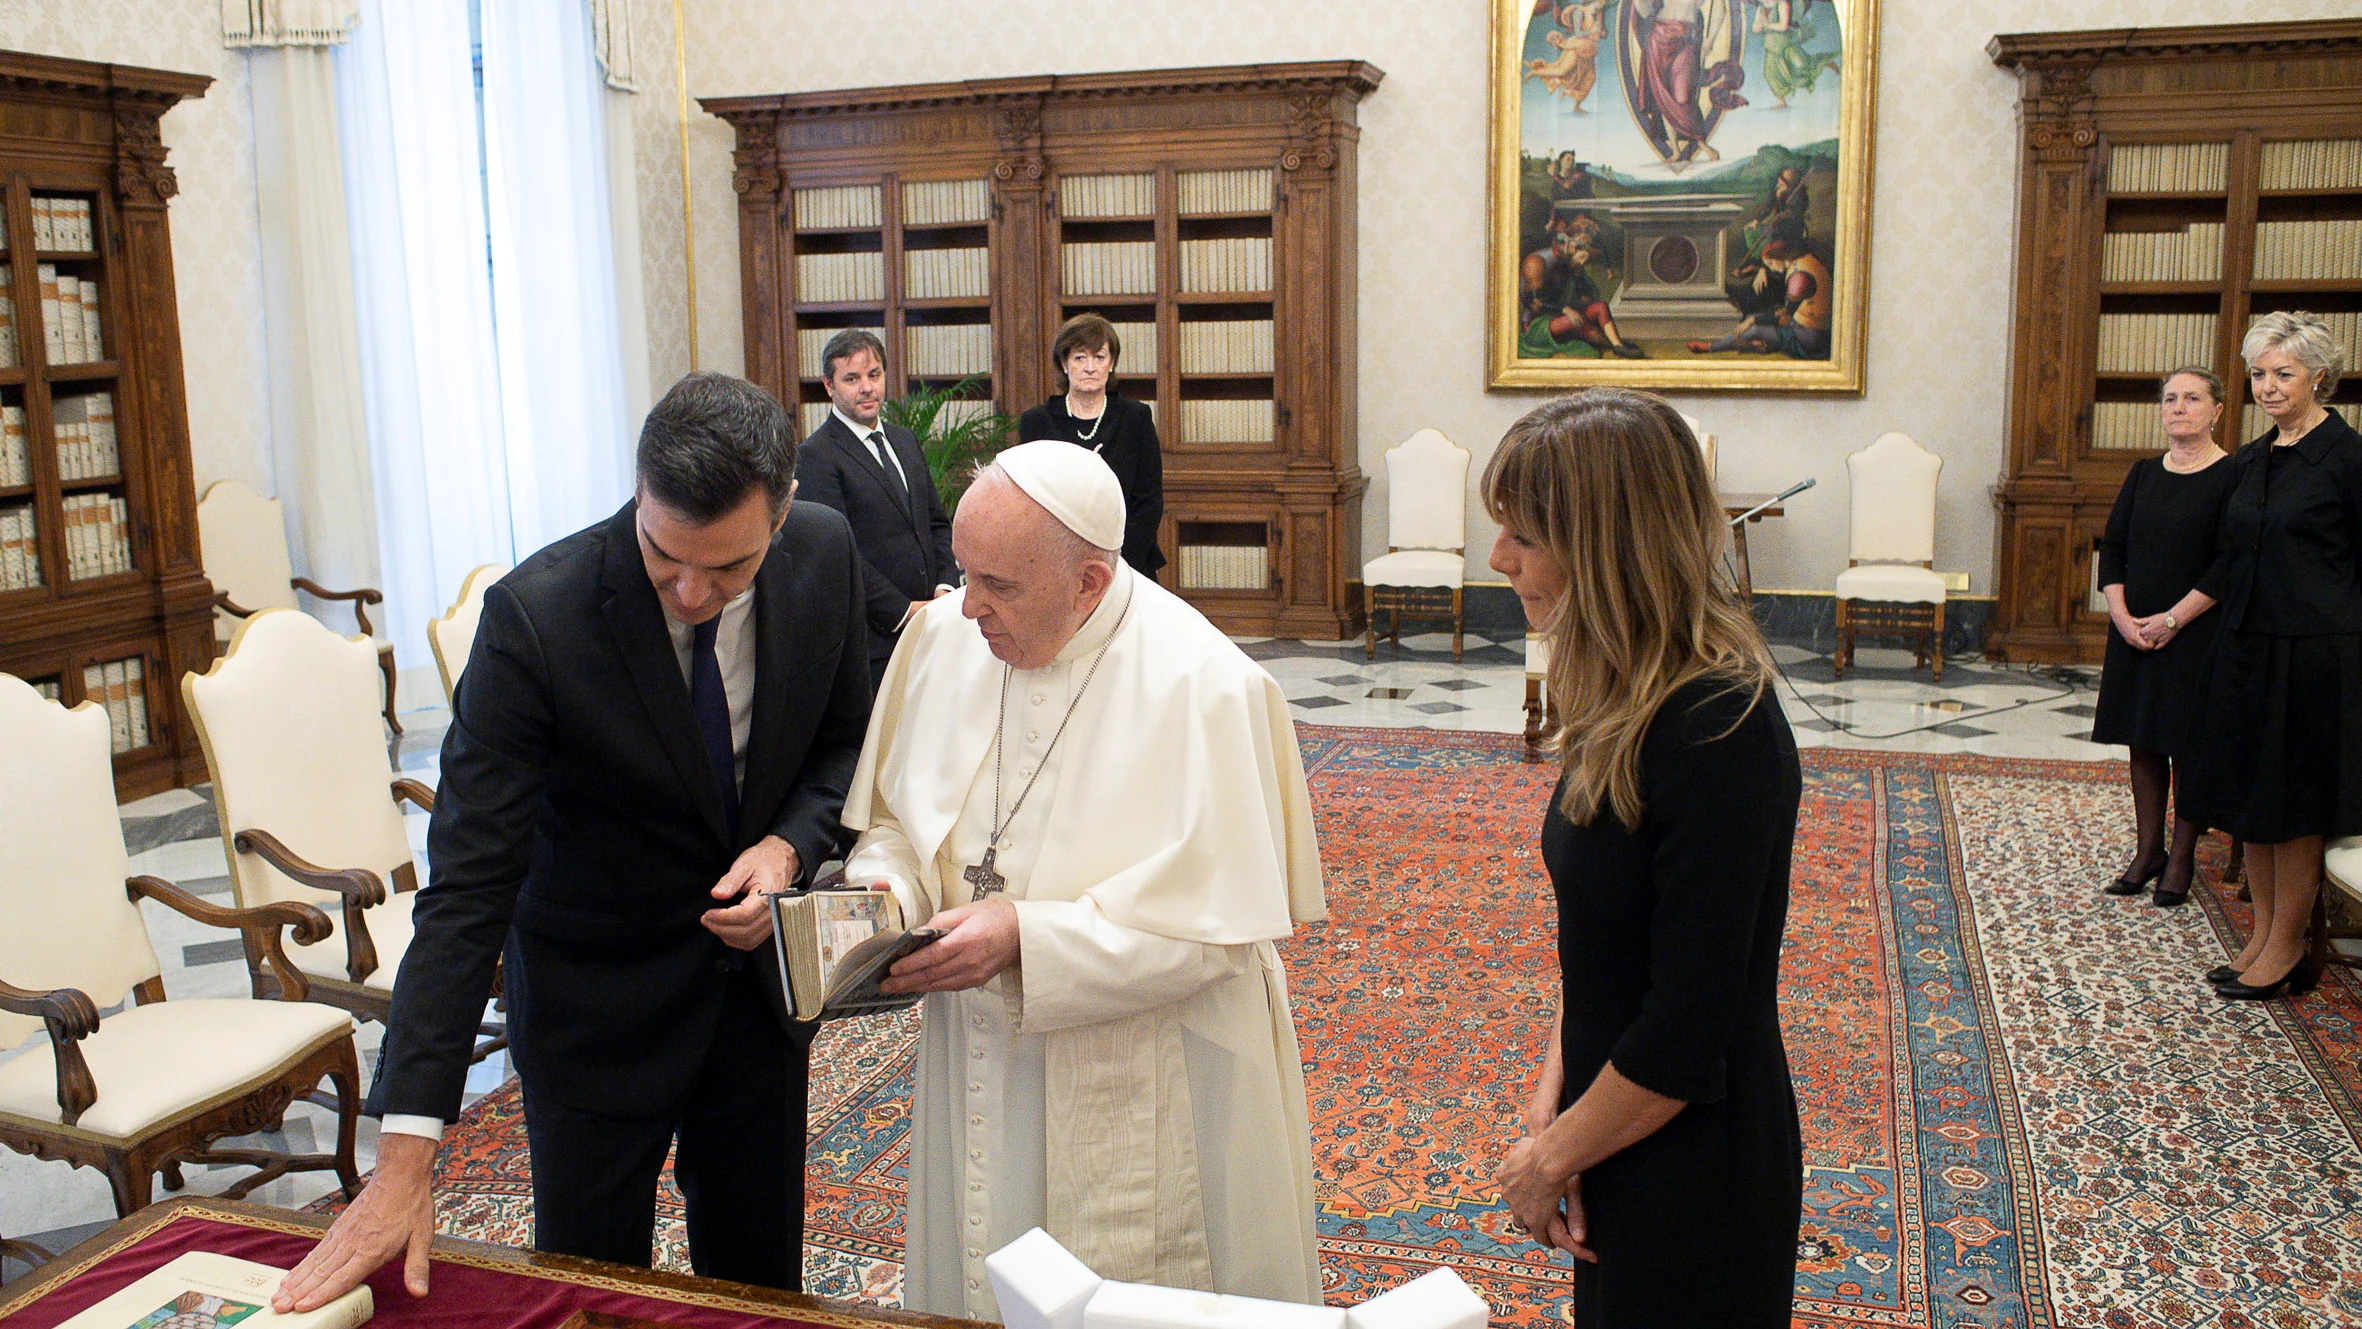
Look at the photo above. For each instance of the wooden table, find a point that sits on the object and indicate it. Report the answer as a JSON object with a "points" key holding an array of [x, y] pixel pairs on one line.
{"points": [[1732, 505], [472, 1283]]}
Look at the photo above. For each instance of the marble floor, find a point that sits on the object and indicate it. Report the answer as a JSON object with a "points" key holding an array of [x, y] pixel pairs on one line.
{"points": [[1884, 703]]}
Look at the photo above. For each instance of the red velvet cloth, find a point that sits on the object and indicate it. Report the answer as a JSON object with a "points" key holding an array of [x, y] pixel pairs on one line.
{"points": [[460, 1293]]}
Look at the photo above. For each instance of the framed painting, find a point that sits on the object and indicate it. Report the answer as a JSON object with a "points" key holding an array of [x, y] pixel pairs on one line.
{"points": [[1680, 193]]}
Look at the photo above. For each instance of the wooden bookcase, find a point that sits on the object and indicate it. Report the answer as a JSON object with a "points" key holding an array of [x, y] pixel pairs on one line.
{"points": [[2171, 181], [1208, 212], [86, 136]]}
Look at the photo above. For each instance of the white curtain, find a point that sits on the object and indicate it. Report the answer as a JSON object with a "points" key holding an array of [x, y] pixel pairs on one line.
{"points": [[406, 106], [563, 405], [320, 444]]}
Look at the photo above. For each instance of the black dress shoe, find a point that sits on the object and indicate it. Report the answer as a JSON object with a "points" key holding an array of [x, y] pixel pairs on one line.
{"points": [[2300, 979], [2221, 974], [2129, 886]]}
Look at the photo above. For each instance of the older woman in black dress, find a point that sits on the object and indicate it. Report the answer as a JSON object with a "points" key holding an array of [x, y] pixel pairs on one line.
{"points": [[2160, 540], [1090, 413], [2280, 747], [1661, 1145]]}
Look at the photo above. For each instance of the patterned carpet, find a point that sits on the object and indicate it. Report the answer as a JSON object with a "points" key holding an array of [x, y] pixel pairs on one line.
{"points": [[2020, 1106]]}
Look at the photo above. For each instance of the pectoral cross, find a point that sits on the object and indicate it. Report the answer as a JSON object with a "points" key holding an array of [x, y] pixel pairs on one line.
{"points": [[983, 878]]}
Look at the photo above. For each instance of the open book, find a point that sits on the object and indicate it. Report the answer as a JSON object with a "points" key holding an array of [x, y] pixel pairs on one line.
{"points": [[834, 948], [201, 1290]]}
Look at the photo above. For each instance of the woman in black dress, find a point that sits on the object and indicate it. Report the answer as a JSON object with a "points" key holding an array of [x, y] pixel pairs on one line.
{"points": [[2280, 747], [1661, 1144], [1092, 414], [2160, 540]]}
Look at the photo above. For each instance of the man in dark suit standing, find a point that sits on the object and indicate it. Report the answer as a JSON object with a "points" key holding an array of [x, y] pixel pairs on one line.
{"points": [[656, 728], [876, 474]]}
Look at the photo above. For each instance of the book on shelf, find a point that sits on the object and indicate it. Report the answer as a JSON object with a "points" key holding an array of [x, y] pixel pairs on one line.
{"points": [[839, 207], [200, 1288], [61, 224], [72, 337], [1226, 421], [16, 449], [840, 278], [961, 410], [2194, 253], [814, 414], [2312, 164], [2154, 343], [20, 549], [1083, 197], [1109, 267], [1198, 193], [810, 342], [84, 424], [946, 202], [2254, 421], [2329, 249], [946, 274], [94, 346], [120, 688], [9, 357], [833, 949], [53, 345], [1139, 340], [1242, 346], [1225, 567], [1238, 263], [2168, 168], [49, 688], [953, 350], [98, 535]]}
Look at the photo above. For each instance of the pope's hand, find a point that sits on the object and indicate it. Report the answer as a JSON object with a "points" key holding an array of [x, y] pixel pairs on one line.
{"points": [[767, 868], [979, 940], [394, 1216]]}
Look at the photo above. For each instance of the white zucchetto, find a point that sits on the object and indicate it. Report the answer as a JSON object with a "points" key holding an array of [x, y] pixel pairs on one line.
{"points": [[1074, 484]]}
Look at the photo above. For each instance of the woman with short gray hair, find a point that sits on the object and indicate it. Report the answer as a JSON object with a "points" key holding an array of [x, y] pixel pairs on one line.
{"points": [[2280, 752]]}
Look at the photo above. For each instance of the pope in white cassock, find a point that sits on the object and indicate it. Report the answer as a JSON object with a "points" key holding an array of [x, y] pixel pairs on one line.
{"points": [[1099, 798]]}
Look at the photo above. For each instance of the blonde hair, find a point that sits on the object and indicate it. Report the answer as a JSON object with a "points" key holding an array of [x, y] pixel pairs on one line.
{"points": [[2306, 339], [1610, 484]]}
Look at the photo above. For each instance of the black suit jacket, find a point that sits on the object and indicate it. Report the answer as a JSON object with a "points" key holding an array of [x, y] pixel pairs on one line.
{"points": [[905, 546], [579, 826], [2289, 548]]}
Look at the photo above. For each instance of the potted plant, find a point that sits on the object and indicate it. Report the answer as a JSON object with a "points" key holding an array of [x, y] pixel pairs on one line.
{"points": [[957, 441]]}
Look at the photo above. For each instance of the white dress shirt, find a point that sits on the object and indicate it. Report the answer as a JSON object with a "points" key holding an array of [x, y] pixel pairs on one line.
{"points": [[734, 651], [878, 446]]}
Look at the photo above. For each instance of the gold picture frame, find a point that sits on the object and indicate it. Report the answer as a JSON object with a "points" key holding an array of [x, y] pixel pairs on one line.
{"points": [[1679, 194]]}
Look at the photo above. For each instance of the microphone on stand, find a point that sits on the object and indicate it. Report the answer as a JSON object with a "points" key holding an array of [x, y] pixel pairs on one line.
{"points": [[1777, 499]]}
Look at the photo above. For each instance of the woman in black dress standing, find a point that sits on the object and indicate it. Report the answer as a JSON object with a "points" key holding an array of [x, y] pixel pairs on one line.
{"points": [[2280, 748], [1092, 414], [1661, 1145], [2160, 540]]}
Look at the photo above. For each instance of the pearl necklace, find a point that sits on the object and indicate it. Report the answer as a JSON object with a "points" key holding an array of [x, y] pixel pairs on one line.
{"points": [[1096, 421]]}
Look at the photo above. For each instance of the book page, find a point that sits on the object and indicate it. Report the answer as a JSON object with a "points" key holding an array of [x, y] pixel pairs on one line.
{"points": [[844, 921]]}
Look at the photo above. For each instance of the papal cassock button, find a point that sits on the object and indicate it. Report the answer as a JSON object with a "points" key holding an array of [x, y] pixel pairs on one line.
{"points": [[974, 1254], [975, 1155], [975, 1185], [975, 1089], [975, 1121], [971, 1285], [979, 1024], [975, 1220], [1037, 699], [1033, 735]]}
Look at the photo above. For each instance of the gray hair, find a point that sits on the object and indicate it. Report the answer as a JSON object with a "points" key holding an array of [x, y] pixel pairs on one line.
{"points": [[2214, 385], [710, 442], [1071, 545], [847, 344], [2305, 337]]}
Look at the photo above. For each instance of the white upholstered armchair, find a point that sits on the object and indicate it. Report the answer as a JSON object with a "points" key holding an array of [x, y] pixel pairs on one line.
{"points": [[1889, 585], [453, 634], [308, 803], [1425, 569], [156, 1084], [243, 542]]}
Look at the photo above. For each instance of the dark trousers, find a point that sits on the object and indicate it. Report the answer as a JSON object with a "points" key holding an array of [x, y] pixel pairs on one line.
{"points": [[739, 1163]]}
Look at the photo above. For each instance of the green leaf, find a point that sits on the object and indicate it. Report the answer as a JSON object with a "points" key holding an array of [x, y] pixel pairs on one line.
{"points": [[955, 449]]}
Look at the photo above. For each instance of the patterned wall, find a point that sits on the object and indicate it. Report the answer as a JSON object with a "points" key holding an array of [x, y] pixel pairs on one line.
{"points": [[216, 250], [1941, 247]]}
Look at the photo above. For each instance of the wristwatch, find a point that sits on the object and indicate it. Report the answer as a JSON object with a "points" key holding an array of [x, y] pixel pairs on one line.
{"points": [[2171, 624]]}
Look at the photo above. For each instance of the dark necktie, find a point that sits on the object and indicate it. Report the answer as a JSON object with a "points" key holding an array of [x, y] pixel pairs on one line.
{"points": [[877, 445], [713, 717]]}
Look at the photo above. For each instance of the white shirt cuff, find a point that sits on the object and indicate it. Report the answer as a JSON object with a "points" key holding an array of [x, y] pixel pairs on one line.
{"points": [[410, 1123]]}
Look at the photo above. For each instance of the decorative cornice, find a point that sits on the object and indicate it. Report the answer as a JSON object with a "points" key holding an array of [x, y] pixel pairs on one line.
{"points": [[1325, 78], [2023, 50], [83, 78]]}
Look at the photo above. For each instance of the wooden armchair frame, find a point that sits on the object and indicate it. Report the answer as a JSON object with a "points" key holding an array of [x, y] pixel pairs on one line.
{"points": [[131, 1165], [361, 888]]}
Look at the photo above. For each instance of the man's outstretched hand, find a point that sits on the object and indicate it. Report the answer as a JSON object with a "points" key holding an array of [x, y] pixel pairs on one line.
{"points": [[394, 1216]]}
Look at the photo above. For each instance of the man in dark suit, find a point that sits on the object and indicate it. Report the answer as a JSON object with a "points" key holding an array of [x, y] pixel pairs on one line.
{"points": [[876, 474], [656, 728]]}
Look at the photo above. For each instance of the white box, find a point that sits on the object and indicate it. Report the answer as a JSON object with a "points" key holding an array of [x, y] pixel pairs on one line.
{"points": [[1140, 1306], [1437, 1299], [1039, 1284]]}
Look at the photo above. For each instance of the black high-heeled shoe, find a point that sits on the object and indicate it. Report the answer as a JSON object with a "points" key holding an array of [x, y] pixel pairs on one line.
{"points": [[2221, 974], [2300, 979], [2127, 886]]}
